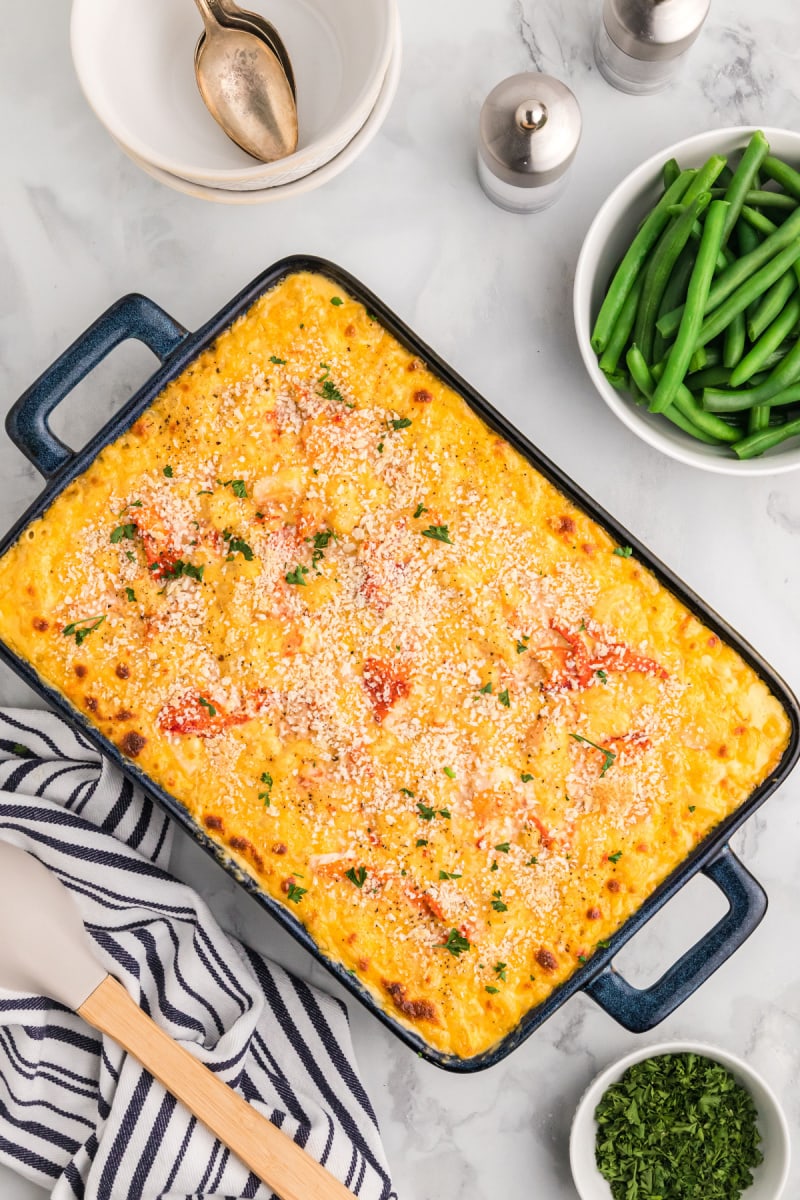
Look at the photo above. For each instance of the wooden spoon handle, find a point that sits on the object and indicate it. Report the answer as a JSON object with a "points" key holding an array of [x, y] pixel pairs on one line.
{"points": [[269, 1154]]}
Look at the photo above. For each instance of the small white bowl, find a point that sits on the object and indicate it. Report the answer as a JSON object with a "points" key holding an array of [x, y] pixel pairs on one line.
{"points": [[135, 63], [769, 1179], [308, 182], [609, 236]]}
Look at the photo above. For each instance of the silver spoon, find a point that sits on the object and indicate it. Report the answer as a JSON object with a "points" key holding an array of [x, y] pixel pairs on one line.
{"points": [[45, 949], [245, 88], [243, 18]]}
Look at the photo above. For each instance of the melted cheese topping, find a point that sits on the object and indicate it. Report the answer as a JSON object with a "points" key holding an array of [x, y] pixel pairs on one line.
{"points": [[422, 698]]}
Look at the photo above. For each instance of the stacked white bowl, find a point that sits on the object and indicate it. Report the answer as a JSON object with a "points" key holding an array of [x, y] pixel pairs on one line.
{"points": [[135, 63]]}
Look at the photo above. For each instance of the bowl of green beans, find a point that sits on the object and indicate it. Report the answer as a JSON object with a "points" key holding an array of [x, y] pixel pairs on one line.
{"points": [[687, 301]]}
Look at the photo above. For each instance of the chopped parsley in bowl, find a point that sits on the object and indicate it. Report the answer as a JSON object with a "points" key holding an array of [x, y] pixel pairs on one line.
{"points": [[679, 1121]]}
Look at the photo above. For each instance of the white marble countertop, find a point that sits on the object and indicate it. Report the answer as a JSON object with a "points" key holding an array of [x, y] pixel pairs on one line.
{"points": [[80, 225]]}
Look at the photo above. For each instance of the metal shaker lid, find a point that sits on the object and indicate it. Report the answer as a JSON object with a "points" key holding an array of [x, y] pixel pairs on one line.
{"points": [[530, 126], [654, 29]]}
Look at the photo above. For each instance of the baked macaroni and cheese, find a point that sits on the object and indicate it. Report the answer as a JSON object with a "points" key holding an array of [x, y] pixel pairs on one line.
{"points": [[424, 700]]}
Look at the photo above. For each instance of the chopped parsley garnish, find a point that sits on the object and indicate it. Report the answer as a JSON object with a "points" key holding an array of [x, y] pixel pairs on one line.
{"points": [[623, 551], [521, 648], [237, 486], [336, 300], [237, 546], [357, 875], [420, 509], [438, 533], [677, 1125], [422, 841], [295, 893], [131, 557], [492, 989], [177, 569], [582, 958], [279, 362], [526, 778], [608, 755], [168, 471], [532, 861], [486, 690], [380, 447], [493, 867], [131, 594], [500, 971], [601, 675], [425, 811], [449, 875], [445, 812], [449, 772], [497, 902], [503, 847], [321, 541], [602, 945], [400, 423], [266, 779], [614, 858], [692, 807], [456, 944], [81, 629], [296, 576], [123, 531], [204, 492], [407, 792], [504, 698], [212, 712]]}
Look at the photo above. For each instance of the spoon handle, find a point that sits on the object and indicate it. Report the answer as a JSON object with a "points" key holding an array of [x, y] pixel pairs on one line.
{"points": [[212, 13], [269, 1154]]}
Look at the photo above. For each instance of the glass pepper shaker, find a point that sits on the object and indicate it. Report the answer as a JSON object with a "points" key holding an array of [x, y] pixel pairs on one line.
{"points": [[640, 44], [529, 130]]}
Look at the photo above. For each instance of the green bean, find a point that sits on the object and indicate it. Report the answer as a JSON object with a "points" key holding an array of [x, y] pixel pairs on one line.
{"points": [[758, 418], [725, 258], [670, 172], [674, 294], [755, 286], [622, 328], [699, 360], [618, 380], [786, 176], [755, 152], [734, 339], [771, 304], [757, 443], [687, 405], [696, 299], [659, 269], [762, 199], [709, 377], [741, 270], [767, 344], [773, 389], [646, 383], [747, 239], [633, 262], [704, 178], [757, 221]]}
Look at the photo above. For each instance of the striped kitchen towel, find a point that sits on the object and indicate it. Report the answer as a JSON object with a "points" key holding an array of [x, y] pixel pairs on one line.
{"points": [[77, 1115]]}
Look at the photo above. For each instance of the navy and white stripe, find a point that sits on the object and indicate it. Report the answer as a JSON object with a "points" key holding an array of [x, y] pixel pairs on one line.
{"points": [[77, 1115]]}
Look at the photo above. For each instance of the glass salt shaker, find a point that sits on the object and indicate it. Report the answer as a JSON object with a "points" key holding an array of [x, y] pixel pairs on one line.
{"points": [[530, 126], [640, 44]]}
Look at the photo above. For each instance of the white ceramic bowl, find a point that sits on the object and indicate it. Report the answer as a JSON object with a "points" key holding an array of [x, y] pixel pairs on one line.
{"points": [[135, 63], [769, 1179], [609, 236], [308, 182]]}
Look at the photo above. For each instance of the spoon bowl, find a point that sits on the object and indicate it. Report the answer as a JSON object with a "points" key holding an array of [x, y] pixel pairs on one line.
{"points": [[229, 13]]}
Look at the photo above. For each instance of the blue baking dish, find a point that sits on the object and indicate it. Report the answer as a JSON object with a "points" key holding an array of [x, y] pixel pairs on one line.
{"points": [[637, 1009]]}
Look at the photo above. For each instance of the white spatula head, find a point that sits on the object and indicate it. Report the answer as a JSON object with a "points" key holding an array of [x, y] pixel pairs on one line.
{"points": [[44, 947]]}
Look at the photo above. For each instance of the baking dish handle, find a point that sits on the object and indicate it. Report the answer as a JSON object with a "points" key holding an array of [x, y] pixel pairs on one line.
{"points": [[133, 316], [640, 1009]]}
